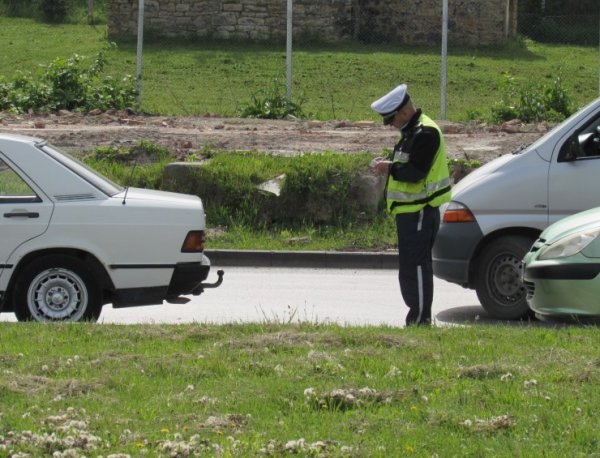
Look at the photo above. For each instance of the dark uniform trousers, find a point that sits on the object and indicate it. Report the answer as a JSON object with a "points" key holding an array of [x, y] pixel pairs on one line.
{"points": [[416, 234]]}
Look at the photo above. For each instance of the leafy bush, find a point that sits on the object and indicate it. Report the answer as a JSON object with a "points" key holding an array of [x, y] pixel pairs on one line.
{"points": [[18, 8], [66, 84], [141, 165], [532, 102], [321, 186], [273, 105], [319, 190], [55, 11]]}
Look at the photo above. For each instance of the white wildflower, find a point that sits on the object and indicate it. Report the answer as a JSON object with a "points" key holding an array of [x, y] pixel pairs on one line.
{"points": [[506, 377], [309, 393], [393, 372]]}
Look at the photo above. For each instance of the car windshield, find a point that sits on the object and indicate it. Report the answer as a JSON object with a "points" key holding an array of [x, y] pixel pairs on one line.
{"points": [[87, 173]]}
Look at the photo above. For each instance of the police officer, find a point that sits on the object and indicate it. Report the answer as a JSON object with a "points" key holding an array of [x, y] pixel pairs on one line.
{"points": [[418, 183]]}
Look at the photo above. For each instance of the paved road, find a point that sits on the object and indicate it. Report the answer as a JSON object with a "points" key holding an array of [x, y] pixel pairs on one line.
{"points": [[331, 295]]}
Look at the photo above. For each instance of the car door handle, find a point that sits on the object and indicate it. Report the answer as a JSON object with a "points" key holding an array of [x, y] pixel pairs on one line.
{"points": [[22, 215]]}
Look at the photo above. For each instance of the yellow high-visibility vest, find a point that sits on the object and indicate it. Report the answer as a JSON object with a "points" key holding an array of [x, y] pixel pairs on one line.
{"points": [[433, 190]]}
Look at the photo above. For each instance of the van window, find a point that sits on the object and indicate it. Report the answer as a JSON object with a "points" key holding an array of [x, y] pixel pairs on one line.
{"points": [[584, 144]]}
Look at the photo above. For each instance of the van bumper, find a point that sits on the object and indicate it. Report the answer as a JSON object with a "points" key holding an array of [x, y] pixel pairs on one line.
{"points": [[453, 251]]}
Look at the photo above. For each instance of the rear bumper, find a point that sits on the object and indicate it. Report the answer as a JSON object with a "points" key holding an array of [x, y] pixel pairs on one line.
{"points": [[186, 278]]}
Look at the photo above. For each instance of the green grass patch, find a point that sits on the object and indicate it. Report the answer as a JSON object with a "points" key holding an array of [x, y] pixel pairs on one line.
{"points": [[318, 205], [300, 389], [378, 234], [332, 81]]}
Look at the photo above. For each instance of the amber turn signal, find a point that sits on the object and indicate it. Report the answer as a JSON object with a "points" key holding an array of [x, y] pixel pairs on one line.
{"points": [[458, 215]]}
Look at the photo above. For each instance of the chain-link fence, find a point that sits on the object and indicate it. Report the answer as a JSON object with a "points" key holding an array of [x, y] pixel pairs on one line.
{"points": [[554, 21], [358, 21]]}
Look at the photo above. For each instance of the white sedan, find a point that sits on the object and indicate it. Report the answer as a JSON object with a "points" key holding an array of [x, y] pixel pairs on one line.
{"points": [[72, 241]]}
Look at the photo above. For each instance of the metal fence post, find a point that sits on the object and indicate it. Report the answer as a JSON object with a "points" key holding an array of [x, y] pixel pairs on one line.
{"points": [[288, 54], [140, 41], [444, 58]]}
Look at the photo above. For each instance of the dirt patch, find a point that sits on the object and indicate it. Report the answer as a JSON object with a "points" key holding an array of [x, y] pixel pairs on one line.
{"points": [[82, 133]]}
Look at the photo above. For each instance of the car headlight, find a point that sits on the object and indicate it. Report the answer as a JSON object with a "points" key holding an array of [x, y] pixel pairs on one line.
{"points": [[569, 245]]}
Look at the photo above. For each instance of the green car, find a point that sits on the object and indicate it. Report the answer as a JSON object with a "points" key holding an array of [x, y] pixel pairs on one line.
{"points": [[560, 271]]}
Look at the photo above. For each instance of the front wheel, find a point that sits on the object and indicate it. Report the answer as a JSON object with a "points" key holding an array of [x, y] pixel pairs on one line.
{"points": [[498, 279], [56, 288]]}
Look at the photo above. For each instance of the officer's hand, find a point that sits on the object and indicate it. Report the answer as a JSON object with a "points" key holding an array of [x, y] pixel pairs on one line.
{"points": [[381, 165]]}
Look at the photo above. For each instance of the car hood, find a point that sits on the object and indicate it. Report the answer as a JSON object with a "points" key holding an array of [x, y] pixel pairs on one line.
{"points": [[588, 219], [482, 173]]}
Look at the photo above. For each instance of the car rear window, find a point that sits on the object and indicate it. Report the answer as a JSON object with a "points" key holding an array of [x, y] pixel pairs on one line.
{"points": [[87, 173]]}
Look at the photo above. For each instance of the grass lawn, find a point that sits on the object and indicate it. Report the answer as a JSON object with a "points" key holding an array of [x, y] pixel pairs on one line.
{"points": [[333, 81], [297, 389], [300, 389]]}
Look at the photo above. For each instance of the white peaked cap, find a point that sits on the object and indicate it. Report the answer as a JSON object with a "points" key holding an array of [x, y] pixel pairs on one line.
{"points": [[392, 101]]}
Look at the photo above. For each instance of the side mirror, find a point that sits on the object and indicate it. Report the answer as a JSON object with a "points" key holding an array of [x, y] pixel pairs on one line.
{"points": [[572, 149]]}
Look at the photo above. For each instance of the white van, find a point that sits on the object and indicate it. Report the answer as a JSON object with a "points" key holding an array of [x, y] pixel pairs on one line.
{"points": [[497, 212]]}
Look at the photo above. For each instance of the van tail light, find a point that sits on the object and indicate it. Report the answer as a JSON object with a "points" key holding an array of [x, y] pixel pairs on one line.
{"points": [[457, 213], [194, 242]]}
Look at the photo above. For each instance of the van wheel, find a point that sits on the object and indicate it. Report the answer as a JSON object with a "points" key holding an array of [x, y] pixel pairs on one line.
{"points": [[56, 288], [498, 279]]}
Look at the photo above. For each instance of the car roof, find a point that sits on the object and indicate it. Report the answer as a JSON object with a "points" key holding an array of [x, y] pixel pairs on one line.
{"points": [[4, 136]]}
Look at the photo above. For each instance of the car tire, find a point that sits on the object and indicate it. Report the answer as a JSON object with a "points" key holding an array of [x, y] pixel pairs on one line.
{"points": [[56, 288], [498, 280]]}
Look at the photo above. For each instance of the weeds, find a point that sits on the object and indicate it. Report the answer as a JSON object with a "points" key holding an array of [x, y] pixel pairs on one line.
{"points": [[142, 165], [320, 206], [297, 389], [66, 84], [532, 102], [272, 105]]}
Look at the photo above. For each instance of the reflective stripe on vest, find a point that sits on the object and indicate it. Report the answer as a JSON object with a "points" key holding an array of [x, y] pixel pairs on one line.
{"points": [[430, 189]]}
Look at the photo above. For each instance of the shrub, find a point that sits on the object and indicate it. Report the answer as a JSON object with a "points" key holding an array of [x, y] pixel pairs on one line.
{"points": [[55, 11], [141, 165], [273, 105], [319, 190], [532, 102], [66, 84]]}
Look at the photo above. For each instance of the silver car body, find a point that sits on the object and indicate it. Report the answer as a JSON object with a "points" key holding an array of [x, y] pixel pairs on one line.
{"points": [[517, 196]]}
